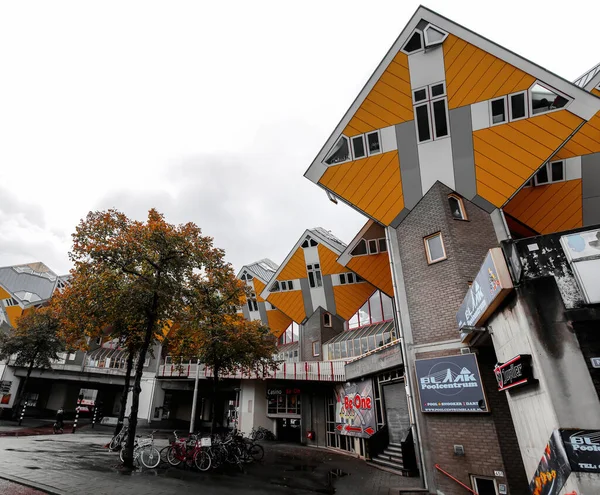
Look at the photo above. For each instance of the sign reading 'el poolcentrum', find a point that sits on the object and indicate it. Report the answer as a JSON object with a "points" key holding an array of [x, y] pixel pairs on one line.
{"points": [[450, 384], [491, 285]]}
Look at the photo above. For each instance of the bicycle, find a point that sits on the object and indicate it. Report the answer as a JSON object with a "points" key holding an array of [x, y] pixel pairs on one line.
{"points": [[119, 439], [251, 451], [261, 433], [188, 450], [144, 452]]}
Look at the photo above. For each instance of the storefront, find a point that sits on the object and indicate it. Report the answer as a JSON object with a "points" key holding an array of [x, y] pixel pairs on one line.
{"points": [[284, 405]]}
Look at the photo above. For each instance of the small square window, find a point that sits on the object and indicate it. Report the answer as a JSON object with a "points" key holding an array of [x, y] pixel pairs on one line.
{"points": [[342, 278], [358, 147], [316, 348], [517, 106], [382, 245], [542, 176], [373, 246], [420, 94], [558, 171], [437, 90], [350, 278], [373, 144], [457, 208], [498, 110], [327, 320], [434, 248]]}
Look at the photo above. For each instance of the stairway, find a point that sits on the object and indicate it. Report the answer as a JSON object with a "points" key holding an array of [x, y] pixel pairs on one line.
{"points": [[391, 460]]}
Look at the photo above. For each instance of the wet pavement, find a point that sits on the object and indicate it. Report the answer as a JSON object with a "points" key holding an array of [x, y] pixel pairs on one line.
{"points": [[7, 487], [74, 464]]}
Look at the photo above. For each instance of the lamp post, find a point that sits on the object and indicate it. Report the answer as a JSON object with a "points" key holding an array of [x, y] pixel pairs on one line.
{"points": [[195, 398]]}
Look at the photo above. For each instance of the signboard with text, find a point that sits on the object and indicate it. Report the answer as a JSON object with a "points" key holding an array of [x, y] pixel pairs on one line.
{"points": [[490, 287], [450, 384], [514, 373], [355, 409]]}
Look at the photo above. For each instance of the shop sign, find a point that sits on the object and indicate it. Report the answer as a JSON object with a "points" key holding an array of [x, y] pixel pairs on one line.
{"points": [[5, 386], [491, 285], [583, 449], [450, 384], [355, 409], [514, 373], [274, 391]]}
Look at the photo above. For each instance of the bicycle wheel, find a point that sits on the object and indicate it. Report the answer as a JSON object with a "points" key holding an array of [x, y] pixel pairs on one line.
{"points": [[149, 456], [256, 452], [163, 453], [136, 455], [202, 460], [115, 442], [172, 458]]}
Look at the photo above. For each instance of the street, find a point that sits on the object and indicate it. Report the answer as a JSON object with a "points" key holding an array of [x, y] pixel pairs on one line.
{"points": [[74, 464]]}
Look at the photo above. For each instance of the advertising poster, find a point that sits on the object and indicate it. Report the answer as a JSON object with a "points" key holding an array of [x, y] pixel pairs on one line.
{"points": [[583, 449], [553, 470], [355, 409], [450, 384]]}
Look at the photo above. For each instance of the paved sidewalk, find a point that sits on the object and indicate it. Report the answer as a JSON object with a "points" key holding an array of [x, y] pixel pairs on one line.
{"points": [[74, 464]]}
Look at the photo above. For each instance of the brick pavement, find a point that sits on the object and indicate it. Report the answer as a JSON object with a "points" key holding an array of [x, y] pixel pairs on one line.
{"points": [[73, 464]]}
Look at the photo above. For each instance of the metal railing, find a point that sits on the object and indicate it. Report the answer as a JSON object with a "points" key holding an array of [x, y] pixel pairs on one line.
{"points": [[328, 371]]}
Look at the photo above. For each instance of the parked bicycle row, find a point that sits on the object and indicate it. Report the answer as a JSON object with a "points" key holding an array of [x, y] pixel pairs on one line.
{"points": [[194, 451]]}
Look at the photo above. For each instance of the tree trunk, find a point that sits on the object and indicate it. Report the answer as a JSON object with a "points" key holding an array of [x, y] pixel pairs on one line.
{"points": [[128, 370], [213, 426], [139, 369]]}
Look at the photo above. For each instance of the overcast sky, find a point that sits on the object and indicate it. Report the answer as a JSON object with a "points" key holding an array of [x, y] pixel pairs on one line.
{"points": [[208, 111]]}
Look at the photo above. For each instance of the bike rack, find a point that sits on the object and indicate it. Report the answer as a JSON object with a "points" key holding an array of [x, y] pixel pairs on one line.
{"points": [[437, 466]]}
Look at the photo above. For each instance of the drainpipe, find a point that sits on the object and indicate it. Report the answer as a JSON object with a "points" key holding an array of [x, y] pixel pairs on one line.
{"points": [[393, 251]]}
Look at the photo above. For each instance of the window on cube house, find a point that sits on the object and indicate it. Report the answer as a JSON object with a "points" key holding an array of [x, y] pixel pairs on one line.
{"points": [[358, 147], [518, 106], [360, 248], [498, 107], [457, 207], [544, 100], [373, 144], [431, 112], [414, 43], [327, 320], [314, 275], [340, 152], [550, 172], [378, 308], [434, 248]]}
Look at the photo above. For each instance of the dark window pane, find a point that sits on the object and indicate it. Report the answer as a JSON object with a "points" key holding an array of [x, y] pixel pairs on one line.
{"points": [[439, 117], [372, 246], [382, 246], [290, 285], [437, 90], [319, 279], [420, 95], [436, 251], [342, 278], [557, 171], [350, 278], [361, 248], [340, 152], [311, 279], [414, 43], [358, 145], [542, 176], [373, 143], [455, 208], [423, 123], [498, 111], [517, 106]]}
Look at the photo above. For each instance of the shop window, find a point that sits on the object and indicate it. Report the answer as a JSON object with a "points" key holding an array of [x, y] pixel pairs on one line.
{"points": [[550, 172], [518, 106], [358, 147], [544, 100], [457, 207], [373, 144], [314, 275], [340, 152], [432, 114], [434, 248], [360, 248], [414, 43], [498, 109], [327, 320]]}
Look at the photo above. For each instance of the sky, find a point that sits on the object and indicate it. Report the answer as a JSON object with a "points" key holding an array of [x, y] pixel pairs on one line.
{"points": [[209, 111]]}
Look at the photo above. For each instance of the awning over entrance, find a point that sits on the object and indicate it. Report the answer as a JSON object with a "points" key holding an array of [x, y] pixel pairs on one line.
{"points": [[357, 342]]}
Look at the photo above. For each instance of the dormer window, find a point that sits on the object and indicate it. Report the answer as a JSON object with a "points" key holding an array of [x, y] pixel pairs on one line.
{"points": [[340, 152], [11, 301], [309, 242], [545, 100], [414, 43]]}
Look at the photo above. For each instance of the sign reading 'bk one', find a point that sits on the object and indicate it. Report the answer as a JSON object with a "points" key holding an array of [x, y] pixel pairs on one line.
{"points": [[355, 409]]}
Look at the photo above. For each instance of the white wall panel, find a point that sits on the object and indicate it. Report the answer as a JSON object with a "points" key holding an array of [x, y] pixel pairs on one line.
{"points": [[480, 115], [435, 163]]}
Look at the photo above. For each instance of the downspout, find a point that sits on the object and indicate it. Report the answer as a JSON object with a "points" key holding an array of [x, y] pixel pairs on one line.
{"points": [[394, 252]]}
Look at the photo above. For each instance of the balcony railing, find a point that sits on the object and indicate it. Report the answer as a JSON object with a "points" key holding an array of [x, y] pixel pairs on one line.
{"points": [[327, 371]]}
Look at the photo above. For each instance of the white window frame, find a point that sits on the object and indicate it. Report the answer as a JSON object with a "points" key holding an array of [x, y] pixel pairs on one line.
{"points": [[429, 101], [474, 484], [325, 323], [9, 302], [549, 88], [506, 116], [510, 115], [431, 261], [548, 167], [378, 134], [318, 346], [376, 251], [314, 268], [362, 138], [330, 152], [433, 43], [409, 38]]}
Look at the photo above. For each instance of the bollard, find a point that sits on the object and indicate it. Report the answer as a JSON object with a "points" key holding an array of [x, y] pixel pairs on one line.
{"points": [[22, 412], [76, 418], [94, 417]]}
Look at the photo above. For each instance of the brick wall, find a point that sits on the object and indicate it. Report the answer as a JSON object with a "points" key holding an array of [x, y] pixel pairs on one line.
{"points": [[434, 294], [313, 330], [436, 291]]}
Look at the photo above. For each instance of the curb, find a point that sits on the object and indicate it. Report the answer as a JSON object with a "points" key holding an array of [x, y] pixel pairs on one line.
{"points": [[32, 484]]}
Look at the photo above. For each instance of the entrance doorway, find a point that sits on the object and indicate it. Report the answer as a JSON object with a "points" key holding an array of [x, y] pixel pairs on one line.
{"points": [[484, 486], [288, 430], [396, 411]]}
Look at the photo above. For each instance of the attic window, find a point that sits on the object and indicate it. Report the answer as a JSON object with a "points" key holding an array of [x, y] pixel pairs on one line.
{"points": [[518, 107], [414, 43], [360, 249], [544, 100], [551, 172], [340, 152], [457, 208], [434, 35], [10, 302], [309, 242], [274, 287], [358, 147], [327, 320], [498, 108], [373, 144]]}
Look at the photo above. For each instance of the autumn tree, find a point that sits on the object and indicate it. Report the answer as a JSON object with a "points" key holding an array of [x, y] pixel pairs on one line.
{"points": [[213, 331], [157, 260], [34, 343], [102, 296]]}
